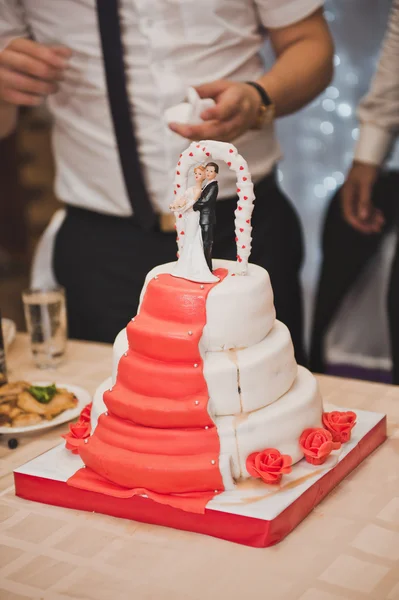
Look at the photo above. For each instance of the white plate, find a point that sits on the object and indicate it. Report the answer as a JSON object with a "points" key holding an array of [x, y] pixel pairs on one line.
{"points": [[9, 331], [83, 397]]}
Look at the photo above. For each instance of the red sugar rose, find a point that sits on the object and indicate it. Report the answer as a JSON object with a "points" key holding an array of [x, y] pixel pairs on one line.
{"points": [[317, 445], [78, 431], [340, 424], [268, 465]]}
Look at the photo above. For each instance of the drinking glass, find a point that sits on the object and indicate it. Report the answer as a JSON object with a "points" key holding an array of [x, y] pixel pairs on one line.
{"points": [[46, 321]]}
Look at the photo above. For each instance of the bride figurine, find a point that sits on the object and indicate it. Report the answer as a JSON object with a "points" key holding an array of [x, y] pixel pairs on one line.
{"points": [[192, 263]]}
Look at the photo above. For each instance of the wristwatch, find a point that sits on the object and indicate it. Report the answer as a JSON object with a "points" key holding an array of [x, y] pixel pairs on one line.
{"points": [[266, 110]]}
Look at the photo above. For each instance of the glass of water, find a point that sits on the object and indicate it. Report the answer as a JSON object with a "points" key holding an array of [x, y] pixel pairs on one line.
{"points": [[46, 321]]}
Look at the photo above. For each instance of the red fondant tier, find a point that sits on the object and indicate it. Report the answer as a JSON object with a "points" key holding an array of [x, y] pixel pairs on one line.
{"points": [[158, 434], [170, 343], [155, 411], [161, 473], [164, 379], [149, 440], [177, 300]]}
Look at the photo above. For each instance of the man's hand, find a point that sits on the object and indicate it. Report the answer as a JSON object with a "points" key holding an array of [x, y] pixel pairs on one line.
{"points": [[30, 71], [236, 110], [356, 203]]}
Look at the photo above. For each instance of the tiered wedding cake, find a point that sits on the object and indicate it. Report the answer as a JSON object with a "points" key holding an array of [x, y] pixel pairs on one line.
{"points": [[204, 376]]}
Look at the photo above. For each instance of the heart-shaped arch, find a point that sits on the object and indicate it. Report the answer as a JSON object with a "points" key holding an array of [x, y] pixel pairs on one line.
{"points": [[205, 151]]}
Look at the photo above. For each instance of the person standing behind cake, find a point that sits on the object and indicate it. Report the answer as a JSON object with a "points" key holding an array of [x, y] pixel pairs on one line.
{"points": [[103, 65], [366, 208]]}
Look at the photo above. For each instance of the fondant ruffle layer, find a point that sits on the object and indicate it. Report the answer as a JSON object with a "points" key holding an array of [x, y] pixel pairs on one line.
{"points": [[157, 434]]}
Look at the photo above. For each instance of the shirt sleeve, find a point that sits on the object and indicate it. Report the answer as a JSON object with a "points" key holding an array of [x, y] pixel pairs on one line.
{"points": [[12, 21], [378, 111], [282, 13]]}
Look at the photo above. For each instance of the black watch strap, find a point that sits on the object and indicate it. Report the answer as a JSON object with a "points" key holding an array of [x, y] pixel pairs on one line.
{"points": [[262, 92]]}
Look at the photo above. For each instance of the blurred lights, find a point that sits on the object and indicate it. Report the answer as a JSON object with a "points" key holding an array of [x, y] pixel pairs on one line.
{"points": [[330, 183], [337, 60], [329, 16], [327, 128], [328, 104], [339, 177], [320, 191], [280, 175], [355, 133], [344, 109], [351, 78], [332, 92]]}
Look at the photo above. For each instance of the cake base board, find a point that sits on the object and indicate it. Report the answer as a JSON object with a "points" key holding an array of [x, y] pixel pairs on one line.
{"points": [[253, 514]]}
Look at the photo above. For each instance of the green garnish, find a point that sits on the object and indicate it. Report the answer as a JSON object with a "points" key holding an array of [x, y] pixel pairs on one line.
{"points": [[43, 394]]}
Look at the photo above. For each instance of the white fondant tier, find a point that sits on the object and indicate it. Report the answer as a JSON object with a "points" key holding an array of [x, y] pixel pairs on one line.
{"points": [[239, 310], [278, 425], [240, 381]]}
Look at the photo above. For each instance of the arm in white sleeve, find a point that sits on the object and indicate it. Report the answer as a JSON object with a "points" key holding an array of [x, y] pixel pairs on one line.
{"points": [[12, 25], [378, 111], [282, 13]]}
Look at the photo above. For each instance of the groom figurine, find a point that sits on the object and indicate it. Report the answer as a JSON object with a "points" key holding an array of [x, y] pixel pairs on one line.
{"points": [[206, 204]]}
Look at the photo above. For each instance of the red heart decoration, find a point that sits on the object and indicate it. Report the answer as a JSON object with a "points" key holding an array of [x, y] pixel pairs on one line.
{"points": [[191, 154], [244, 178], [236, 239], [248, 221], [198, 146], [181, 155], [207, 153], [233, 274], [182, 233], [238, 190], [177, 172], [242, 246], [204, 148], [178, 185], [241, 229], [239, 258], [179, 163], [231, 150], [229, 164], [241, 168], [175, 192], [177, 238], [240, 208], [180, 216], [245, 197]]}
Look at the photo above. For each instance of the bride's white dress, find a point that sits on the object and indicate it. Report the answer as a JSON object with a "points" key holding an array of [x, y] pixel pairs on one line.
{"points": [[191, 263]]}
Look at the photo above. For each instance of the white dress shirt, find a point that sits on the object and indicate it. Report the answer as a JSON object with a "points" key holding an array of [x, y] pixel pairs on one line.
{"points": [[378, 111], [169, 46]]}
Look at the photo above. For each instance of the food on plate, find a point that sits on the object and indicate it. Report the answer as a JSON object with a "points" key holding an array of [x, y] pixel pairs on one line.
{"points": [[23, 404]]}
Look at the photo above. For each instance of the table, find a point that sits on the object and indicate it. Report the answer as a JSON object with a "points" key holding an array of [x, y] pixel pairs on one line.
{"points": [[347, 549]]}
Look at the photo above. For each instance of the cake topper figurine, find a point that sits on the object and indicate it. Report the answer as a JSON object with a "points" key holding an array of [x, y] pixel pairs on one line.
{"points": [[195, 209], [206, 205], [196, 218]]}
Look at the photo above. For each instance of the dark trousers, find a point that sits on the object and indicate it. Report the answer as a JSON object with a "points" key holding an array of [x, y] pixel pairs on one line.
{"points": [[346, 252], [207, 241], [102, 262]]}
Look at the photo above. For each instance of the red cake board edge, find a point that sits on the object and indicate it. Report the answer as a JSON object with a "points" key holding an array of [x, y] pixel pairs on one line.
{"points": [[248, 531]]}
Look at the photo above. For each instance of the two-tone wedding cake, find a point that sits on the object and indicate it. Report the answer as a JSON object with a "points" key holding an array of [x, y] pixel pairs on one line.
{"points": [[205, 389], [207, 423]]}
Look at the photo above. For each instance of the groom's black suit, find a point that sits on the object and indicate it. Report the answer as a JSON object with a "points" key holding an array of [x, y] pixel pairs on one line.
{"points": [[206, 204]]}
